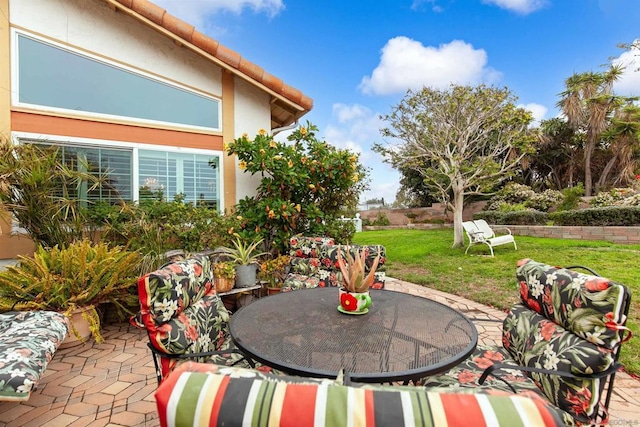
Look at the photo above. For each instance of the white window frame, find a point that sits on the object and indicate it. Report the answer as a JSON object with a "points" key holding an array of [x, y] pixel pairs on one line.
{"points": [[15, 84], [134, 147]]}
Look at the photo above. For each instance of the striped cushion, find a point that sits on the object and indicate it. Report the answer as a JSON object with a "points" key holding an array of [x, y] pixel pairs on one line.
{"points": [[233, 396]]}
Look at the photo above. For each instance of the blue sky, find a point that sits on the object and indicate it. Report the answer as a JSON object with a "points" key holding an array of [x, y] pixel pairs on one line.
{"points": [[356, 59]]}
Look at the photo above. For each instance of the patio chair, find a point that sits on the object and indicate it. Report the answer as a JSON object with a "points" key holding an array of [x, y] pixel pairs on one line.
{"points": [[479, 232], [184, 317], [562, 342]]}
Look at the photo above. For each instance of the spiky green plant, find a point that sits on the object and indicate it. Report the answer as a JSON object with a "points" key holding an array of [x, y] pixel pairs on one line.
{"points": [[64, 279], [354, 276]]}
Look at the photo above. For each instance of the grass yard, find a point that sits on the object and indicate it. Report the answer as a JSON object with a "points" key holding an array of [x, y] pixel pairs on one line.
{"points": [[425, 257]]}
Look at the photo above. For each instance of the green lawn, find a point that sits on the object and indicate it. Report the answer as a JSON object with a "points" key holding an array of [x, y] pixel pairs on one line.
{"points": [[425, 257]]}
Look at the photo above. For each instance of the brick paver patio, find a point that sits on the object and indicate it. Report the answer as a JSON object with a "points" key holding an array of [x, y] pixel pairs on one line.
{"points": [[112, 384]]}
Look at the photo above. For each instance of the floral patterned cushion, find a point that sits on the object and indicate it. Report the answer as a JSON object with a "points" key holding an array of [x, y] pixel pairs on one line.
{"points": [[308, 247], [295, 282], [592, 307], [183, 314], [467, 373], [166, 292], [536, 342], [317, 259], [28, 341], [567, 322]]}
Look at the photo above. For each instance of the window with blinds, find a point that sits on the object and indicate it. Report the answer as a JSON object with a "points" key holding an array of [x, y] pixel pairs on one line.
{"points": [[157, 172]]}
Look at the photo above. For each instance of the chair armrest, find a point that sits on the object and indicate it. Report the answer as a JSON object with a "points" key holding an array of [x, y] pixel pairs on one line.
{"points": [[503, 229]]}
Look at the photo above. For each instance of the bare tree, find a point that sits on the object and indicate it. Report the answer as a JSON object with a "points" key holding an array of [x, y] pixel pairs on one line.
{"points": [[463, 141]]}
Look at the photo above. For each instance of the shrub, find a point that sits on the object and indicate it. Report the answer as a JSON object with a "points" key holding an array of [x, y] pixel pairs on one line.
{"points": [[522, 217], [616, 197], [572, 197], [517, 197], [544, 201], [155, 226], [305, 184], [381, 219], [603, 216]]}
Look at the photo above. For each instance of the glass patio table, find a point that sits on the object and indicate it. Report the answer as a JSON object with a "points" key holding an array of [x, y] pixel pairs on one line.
{"points": [[402, 337]]}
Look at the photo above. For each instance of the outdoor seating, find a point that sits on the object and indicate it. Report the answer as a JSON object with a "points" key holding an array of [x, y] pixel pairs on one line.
{"points": [[184, 317], [28, 341], [213, 395], [479, 232], [314, 263], [561, 341]]}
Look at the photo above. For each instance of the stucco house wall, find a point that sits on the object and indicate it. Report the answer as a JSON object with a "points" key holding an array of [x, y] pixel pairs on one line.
{"points": [[140, 38]]}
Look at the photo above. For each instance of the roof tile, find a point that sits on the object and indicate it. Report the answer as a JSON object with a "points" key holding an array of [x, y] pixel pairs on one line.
{"points": [[228, 56], [189, 34], [272, 82], [149, 10], [178, 27], [250, 69], [205, 43]]}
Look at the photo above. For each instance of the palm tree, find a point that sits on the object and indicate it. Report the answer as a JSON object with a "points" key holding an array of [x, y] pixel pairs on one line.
{"points": [[588, 102], [623, 137]]}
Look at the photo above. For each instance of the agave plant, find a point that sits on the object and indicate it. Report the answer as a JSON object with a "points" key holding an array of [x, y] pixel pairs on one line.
{"points": [[353, 269]]}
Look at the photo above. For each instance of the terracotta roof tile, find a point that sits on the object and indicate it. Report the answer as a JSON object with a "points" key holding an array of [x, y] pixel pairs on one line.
{"points": [[272, 82], [229, 57], [178, 27], [251, 70], [205, 43], [149, 10]]}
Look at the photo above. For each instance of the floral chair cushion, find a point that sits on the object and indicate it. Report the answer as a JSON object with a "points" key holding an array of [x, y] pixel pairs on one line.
{"points": [[166, 292], [28, 341], [183, 314], [536, 342], [317, 259], [592, 307], [295, 282], [467, 374], [308, 247]]}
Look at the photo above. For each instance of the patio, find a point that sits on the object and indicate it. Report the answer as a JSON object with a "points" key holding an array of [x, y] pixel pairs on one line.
{"points": [[112, 384]]}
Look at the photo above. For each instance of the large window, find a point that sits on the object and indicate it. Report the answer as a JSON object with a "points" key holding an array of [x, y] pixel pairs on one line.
{"points": [[173, 173], [56, 78], [130, 172]]}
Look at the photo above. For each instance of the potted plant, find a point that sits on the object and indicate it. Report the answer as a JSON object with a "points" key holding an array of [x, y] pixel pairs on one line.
{"points": [[224, 274], [73, 280], [355, 281], [246, 258], [273, 273]]}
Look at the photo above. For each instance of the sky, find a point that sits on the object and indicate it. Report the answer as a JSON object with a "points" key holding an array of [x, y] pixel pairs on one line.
{"points": [[358, 58]]}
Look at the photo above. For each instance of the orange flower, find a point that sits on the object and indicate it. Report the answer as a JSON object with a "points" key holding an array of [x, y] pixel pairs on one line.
{"points": [[272, 214], [466, 377]]}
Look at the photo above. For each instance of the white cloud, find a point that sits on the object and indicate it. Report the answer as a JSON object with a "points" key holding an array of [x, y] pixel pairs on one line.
{"points": [[538, 111], [356, 128], [196, 12], [407, 64], [520, 6], [629, 83]]}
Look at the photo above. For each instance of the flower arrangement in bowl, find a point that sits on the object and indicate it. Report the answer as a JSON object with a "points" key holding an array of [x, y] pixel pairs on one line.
{"points": [[274, 271], [224, 274], [355, 281]]}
